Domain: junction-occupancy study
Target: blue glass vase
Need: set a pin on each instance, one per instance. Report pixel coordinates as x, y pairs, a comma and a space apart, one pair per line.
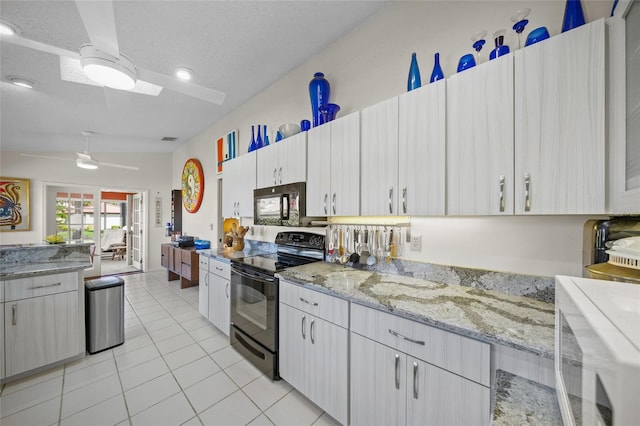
413, 82
259, 143
319, 91
573, 15
252, 145
437, 73
329, 112
265, 139
501, 48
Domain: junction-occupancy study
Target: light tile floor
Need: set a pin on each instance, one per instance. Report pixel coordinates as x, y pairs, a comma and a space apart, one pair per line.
174, 368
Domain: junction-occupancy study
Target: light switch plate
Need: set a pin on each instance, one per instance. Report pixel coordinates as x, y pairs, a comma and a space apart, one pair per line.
416, 243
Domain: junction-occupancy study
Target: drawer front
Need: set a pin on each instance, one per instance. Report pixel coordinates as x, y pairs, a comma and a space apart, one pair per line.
24, 288
186, 256
204, 262
329, 308
185, 271
458, 354
219, 268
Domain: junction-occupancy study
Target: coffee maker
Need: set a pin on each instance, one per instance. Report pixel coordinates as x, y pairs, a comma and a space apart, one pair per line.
599, 236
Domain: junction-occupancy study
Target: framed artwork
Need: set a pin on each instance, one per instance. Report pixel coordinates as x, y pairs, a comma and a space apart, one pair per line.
14, 204
227, 147
192, 185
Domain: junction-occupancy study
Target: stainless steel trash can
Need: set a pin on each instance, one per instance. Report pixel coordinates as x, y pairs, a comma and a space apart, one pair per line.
104, 313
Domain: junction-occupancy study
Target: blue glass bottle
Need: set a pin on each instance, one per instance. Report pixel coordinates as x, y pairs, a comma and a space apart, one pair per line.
265, 139
573, 15
252, 145
319, 92
501, 48
437, 73
413, 82
259, 143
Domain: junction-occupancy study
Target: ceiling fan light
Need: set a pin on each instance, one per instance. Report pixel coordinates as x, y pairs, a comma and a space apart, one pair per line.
87, 164
183, 74
116, 73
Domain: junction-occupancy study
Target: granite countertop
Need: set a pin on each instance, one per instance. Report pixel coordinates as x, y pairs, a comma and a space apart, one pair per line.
519, 401
227, 255
15, 271
516, 321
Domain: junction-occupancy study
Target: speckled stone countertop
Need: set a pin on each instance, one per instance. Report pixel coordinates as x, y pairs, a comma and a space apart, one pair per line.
519, 401
27, 260
225, 255
516, 321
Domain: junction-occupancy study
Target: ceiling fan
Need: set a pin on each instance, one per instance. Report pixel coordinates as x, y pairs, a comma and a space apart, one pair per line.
84, 160
103, 62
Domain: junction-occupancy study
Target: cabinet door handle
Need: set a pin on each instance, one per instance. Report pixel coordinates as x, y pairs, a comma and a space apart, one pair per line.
14, 313
501, 193
226, 290
415, 380
304, 336
395, 333
280, 175
206, 280
275, 172
219, 269
313, 341
404, 200
390, 202
333, 203
527, 196
325, 202
397, 371
35, 287
308, 303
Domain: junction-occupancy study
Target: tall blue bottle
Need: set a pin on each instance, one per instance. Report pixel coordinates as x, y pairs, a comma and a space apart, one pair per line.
573, 15
265, 138
413, 82
259, 143
437, 73
319, 91
252, 145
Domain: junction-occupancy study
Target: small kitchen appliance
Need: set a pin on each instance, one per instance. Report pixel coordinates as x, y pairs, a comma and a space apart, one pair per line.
254, 296
600, 239
597, 351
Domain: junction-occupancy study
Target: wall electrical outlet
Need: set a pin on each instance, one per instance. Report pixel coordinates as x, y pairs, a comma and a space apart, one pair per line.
416, 243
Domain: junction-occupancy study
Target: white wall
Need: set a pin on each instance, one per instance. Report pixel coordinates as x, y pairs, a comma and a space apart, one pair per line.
154, 176
370, 64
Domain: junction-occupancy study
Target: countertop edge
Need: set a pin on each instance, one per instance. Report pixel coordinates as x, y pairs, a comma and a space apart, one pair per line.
44, 269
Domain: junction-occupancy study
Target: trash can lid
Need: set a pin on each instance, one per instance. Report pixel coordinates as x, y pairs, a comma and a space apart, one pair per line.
104, 282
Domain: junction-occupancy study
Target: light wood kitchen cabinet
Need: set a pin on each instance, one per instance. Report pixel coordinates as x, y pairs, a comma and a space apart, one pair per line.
422, 137
219, 295
238, 183
480, 139
379, 159
333, 176
560, 124
283, 162
404, 372
40, 331
313, 351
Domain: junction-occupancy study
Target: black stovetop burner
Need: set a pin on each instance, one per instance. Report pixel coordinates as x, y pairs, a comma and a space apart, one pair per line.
294, 249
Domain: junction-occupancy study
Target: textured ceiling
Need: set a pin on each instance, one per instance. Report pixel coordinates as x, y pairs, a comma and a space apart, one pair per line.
237, 47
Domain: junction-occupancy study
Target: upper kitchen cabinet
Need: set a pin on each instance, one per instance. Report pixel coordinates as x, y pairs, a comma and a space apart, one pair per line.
379, 159
623, 109
333, 175
421, 167
560, 124
283, 162
480, 139
238, 183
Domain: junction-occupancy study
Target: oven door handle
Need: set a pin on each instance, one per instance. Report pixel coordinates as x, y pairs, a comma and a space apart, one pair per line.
259, 277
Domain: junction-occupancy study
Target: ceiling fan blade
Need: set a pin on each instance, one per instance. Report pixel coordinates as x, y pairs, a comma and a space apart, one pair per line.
120, 166
189, 89
100, 23
84, 156
36, 45
47, 157
117, 100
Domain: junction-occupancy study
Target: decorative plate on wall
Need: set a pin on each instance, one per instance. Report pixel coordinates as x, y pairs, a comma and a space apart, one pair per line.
192, 185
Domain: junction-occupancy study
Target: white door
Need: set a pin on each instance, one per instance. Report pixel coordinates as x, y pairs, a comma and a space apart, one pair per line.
137, 225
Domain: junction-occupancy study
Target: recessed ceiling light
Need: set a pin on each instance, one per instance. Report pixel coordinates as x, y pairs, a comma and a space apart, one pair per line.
184, 74
7, 28
116, 73
21, 81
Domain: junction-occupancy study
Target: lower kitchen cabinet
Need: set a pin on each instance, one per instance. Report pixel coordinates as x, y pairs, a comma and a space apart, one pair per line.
313, 353
203, 286
40, 331
214, 301
2, 341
